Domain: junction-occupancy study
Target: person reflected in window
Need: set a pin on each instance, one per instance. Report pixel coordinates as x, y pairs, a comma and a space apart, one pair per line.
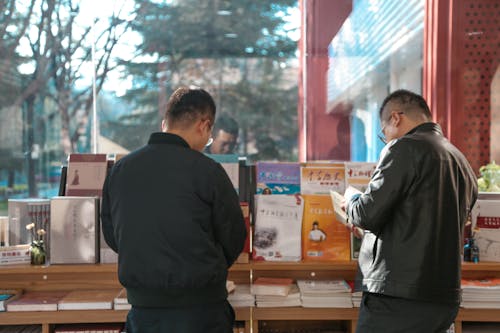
225, 136
413, 213
173, 216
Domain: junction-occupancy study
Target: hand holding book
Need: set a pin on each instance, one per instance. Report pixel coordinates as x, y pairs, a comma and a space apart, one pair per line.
339, 207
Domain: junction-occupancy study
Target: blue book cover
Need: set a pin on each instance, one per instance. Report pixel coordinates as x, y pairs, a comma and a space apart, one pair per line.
278, 177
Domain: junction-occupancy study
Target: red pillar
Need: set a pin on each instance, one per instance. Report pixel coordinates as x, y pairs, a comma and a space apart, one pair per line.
317, 129
461, 56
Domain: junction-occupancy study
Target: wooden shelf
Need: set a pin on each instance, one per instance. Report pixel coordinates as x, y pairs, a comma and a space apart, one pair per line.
99, 276
299, 313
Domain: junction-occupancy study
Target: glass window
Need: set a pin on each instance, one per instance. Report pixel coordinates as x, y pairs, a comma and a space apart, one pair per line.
377, 50
74, 78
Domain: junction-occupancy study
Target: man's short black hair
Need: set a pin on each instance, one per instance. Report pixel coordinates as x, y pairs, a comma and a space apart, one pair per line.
227, 124
187, 104
408, 101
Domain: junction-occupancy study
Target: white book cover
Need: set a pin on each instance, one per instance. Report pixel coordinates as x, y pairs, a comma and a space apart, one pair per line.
74, 230
322, 287
278, 228
486, 222
358, 174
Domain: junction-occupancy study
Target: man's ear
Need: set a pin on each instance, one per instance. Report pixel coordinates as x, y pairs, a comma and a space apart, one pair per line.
397, 118
163, 125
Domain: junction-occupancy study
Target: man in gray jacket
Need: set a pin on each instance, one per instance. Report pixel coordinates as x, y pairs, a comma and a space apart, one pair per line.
173, 216
413, 214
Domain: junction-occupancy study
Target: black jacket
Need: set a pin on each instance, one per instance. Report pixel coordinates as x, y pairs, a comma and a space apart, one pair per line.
414, 212
174, 218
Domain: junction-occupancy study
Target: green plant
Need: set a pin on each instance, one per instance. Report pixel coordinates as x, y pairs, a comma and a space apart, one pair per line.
490, 178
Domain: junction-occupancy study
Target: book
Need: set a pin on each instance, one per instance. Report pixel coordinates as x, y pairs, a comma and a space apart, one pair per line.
23, 212
86, 174
278, 227
271, 286
358, 174
324, 238
120, 301
320, 178
278, 177
62, 181
231, 165
17, 254
89, 328
486, 223
244, 256
88, 300
4, 231
338, 200
292, 298
75, 230
8, 295
36, 301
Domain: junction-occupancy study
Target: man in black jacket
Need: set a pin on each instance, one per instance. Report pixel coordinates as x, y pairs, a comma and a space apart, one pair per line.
172, 215
413, 214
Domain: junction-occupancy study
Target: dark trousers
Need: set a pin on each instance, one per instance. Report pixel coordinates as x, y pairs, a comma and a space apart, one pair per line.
206, 318
384, 314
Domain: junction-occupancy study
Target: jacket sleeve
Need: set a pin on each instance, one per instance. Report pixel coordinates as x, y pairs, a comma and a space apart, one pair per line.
391, 179
106, 223
229, 225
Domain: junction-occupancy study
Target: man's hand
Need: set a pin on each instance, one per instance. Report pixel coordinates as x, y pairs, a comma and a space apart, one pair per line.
357, 231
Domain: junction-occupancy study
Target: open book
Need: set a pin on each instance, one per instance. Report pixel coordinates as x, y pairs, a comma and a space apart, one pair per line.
338, 199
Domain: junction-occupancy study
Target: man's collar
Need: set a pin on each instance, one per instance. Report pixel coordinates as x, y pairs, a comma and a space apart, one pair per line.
167, 138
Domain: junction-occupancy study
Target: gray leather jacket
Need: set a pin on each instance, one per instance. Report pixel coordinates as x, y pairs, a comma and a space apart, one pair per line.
414, 212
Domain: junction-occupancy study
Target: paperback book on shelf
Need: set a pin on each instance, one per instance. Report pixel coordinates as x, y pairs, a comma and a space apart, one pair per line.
89, 328
321, 177
481, 293
36, 301
16, 254
231, 165
120, 302
486, 223
279, 301
8, 295
323, 237
88, 300
241, 296
278, 227
358, 174
23, 212
86, 174
278, 177
75, 230
325, 293
271, 286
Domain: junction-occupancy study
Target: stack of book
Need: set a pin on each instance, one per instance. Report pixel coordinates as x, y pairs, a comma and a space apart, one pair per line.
15, 254
273, 301
483, 294
275, 292
325, 294
88, 300
241, 296
93, 328
37, 301
121, 302
8, 295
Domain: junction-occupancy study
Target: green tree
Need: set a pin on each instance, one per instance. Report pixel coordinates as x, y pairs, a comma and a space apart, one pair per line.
213, 44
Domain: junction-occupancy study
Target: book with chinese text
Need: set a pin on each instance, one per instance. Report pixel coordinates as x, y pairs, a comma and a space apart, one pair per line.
278, 177
320, 178
278, 227
324, 238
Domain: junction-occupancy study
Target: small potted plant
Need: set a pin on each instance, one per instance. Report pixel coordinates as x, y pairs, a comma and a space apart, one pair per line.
37, 249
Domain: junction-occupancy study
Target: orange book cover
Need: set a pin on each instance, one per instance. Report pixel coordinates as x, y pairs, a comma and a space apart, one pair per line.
323, 237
